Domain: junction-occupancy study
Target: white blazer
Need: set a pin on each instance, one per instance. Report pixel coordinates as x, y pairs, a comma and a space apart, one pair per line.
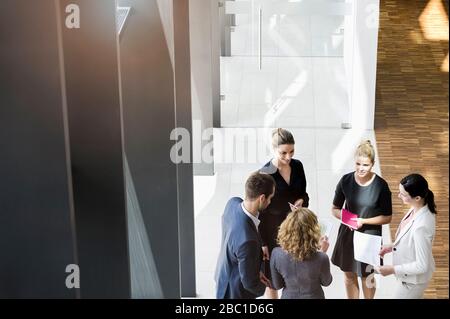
412, 250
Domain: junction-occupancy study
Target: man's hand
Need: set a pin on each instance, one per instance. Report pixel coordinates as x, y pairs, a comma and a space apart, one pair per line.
266, 255
264, 280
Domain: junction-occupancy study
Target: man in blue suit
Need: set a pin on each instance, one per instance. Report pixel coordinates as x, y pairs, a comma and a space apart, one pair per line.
238, 274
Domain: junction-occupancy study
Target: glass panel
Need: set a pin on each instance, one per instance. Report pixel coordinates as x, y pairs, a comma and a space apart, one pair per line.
289, 28
286, 70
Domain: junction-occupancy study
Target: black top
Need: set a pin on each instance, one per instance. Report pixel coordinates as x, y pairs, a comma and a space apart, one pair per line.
365, 201
272, 217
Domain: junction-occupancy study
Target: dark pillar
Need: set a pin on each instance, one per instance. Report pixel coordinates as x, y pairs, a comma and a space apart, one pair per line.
184, 170
94, 116
149, 118
37, 230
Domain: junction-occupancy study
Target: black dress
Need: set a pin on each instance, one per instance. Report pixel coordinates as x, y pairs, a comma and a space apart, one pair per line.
272, 217
366, 202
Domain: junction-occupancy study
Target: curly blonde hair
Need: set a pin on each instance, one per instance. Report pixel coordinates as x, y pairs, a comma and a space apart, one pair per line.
299, 234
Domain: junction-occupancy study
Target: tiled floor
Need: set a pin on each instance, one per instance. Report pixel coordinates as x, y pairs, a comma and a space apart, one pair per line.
326, 154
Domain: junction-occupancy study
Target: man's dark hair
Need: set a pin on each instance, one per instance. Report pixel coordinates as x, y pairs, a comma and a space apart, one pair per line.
259, 184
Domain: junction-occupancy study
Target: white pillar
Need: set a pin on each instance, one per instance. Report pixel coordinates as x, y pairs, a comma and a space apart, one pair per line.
360, 55
205, 71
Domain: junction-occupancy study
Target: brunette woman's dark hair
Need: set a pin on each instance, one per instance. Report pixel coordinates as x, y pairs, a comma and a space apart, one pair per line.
417, 185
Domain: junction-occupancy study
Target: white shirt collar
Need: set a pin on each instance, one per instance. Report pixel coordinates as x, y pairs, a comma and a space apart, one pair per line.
254, 219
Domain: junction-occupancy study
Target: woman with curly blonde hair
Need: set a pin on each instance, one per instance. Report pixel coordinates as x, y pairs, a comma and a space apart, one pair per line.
300, 265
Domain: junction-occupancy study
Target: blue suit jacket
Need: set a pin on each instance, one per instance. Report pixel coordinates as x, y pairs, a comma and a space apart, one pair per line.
239, 263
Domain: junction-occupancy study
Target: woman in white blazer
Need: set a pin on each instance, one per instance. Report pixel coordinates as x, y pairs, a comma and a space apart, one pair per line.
413, 262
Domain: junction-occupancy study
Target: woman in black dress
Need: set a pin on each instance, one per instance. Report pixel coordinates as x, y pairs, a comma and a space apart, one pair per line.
290, 188
367, 195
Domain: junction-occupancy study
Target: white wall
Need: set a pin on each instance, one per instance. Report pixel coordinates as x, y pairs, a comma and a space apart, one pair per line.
360, 55
205, 68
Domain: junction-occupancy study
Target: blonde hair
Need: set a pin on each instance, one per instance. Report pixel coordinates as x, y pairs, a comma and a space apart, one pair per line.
365, 149
299, 234
281, 136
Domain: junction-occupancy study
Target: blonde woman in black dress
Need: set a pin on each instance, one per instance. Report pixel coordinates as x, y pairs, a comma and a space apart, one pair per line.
290, 187
367, 195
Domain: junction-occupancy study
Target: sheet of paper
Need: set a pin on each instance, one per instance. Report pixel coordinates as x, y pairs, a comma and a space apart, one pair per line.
367, 248
293, 207
347, 219
326, 225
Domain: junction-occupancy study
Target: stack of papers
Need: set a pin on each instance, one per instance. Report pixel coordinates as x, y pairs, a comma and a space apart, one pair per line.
367, 248
326, 225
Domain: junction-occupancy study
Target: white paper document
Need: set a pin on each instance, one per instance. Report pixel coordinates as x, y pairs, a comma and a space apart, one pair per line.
326, 225
367, 248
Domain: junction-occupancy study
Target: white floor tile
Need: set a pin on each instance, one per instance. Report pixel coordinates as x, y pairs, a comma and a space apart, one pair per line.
336, 147
295, 121
255, 115
258, 88
269, 65
242, 145
229, 110
291, 67
237, 190
231, 71
304, 142
331, 102
241, 172
326, 186
295, 96
206, 286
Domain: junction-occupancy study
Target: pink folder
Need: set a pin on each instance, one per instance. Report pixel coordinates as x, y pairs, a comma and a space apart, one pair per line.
347, 219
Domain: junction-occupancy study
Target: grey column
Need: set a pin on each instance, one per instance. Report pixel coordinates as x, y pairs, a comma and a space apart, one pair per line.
215, 61
149, 118
184, 170
37, 233
95, 126
226, 21
205, 70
